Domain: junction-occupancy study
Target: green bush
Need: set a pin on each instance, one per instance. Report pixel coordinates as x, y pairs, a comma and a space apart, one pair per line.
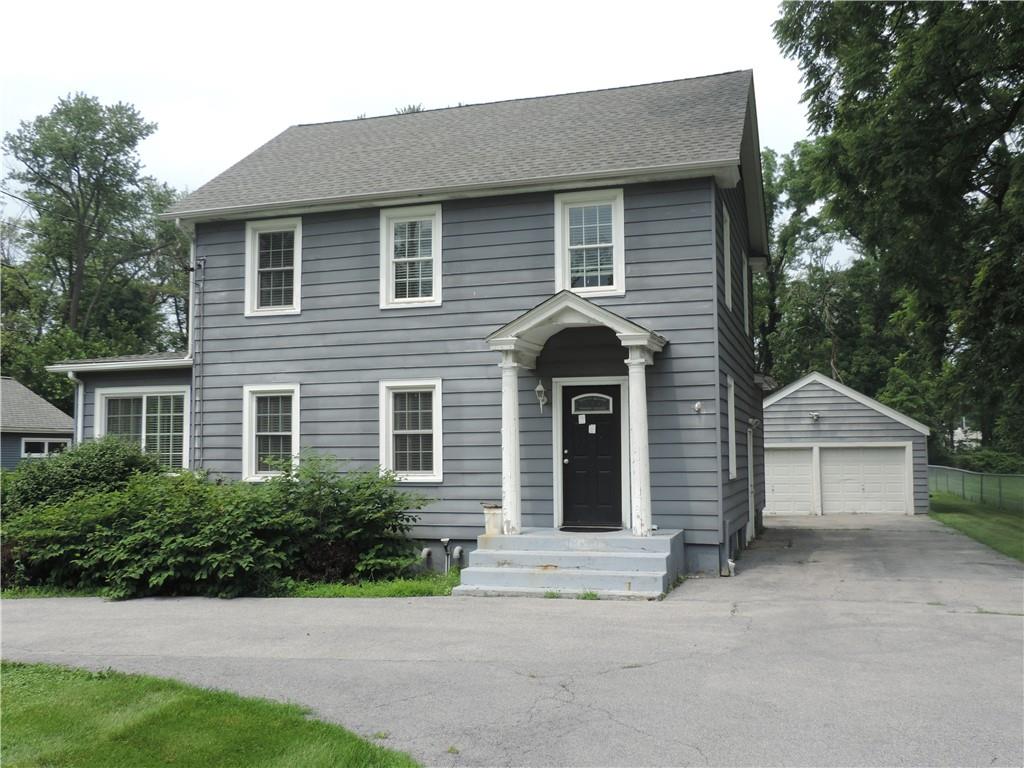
102, 465
989, 460
359, 520
181, 534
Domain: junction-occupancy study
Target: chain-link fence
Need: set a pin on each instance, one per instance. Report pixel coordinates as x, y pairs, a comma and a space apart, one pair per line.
1003, 491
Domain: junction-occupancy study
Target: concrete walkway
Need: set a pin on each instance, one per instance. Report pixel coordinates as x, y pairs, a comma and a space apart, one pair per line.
841, 641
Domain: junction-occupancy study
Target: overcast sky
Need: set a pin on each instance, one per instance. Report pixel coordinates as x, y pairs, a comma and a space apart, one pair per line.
222, 78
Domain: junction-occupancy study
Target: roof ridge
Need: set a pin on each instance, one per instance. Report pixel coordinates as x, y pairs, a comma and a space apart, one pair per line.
521, 98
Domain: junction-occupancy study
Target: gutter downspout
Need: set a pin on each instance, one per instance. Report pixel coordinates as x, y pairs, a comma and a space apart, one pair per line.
79, 406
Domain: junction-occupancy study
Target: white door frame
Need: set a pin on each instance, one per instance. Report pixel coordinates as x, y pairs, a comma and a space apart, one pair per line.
556, 438
816, 495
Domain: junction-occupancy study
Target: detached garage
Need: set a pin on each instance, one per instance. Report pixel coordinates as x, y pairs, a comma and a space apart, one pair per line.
829, 449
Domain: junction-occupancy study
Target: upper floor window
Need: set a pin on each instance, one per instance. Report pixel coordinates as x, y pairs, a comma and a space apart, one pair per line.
273, 266
154, 418
410, 248
590, 252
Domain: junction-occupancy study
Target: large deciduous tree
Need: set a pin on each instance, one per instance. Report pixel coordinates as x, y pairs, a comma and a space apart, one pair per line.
919, 109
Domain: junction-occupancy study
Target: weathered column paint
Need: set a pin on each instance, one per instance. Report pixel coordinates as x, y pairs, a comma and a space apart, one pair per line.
639, 450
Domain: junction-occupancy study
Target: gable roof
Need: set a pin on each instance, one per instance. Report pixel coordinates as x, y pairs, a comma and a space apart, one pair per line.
124, 363
860, 397
682, 127
22, 410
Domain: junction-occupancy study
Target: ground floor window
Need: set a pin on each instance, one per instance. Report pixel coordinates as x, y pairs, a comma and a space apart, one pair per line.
410, 429
38, 447
270, 425
155, 420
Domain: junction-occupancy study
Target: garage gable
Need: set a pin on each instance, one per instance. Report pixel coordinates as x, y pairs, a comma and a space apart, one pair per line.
813, 390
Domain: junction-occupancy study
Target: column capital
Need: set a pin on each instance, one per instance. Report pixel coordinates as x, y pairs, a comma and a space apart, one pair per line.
516, 351
639, 356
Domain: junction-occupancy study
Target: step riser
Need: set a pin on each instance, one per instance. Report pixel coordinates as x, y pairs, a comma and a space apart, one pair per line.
500, 578
462, 591
568, 543
596, 561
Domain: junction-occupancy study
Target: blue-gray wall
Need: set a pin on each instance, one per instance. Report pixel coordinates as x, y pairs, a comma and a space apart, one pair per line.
843, 420
10, 446
497, 263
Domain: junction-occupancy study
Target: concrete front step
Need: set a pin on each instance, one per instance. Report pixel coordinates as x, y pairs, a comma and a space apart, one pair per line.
607, 594
550, 540
571, 560
571, 579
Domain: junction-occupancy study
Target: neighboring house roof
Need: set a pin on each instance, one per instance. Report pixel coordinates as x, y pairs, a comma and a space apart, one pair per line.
22, 410
697, 126
853, 394
124, 363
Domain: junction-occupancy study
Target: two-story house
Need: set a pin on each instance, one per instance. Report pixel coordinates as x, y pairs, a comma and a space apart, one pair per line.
545, 301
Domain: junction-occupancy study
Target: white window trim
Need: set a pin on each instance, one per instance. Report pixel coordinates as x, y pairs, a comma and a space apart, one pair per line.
727, 253
388, 218
562, 204
252, 232
99, 424
249, 394
731, 401
746, 292
42, 439
386, 418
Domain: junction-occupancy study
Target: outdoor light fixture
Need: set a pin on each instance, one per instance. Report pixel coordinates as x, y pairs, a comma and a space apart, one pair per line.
815, 415
542, 395
698, 407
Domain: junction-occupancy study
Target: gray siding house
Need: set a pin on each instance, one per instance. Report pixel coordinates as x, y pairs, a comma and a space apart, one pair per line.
30, 427
831, 450
541, 304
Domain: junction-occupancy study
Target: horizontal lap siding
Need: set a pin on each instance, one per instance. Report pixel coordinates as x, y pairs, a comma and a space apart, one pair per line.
497, 262
843, 420
736, 358
10, 450
156, 378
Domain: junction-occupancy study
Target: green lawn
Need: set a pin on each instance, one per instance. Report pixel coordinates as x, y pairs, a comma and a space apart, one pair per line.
998, 528
424, 585
55, 717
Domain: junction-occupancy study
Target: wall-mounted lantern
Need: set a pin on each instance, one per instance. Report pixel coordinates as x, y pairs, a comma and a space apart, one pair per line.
542, 395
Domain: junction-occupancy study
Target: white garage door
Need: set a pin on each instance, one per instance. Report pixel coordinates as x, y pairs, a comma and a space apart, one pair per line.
788, 481
863, 480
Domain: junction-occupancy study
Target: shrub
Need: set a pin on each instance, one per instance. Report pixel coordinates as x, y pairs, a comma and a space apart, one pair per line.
359, 520
102, 465
989, 460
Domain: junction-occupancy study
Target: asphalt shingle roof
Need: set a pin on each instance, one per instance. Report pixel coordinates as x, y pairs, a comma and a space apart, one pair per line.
698, 120
22, 410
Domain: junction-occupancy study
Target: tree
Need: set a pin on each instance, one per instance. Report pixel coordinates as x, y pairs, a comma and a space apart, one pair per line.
91, 271
919, 111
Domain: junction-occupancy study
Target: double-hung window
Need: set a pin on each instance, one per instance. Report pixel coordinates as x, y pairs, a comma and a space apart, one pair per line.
410, 248
39, 447
154, 418
410, 429
270, 427
590, 254
273, 265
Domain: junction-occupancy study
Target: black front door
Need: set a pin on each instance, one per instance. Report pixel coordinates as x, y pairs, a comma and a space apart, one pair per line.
591, 457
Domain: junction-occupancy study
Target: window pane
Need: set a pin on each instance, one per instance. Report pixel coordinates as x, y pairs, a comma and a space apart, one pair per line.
412, 254
273, 431
277, 250
56, 447
35, 448
276, 288
412, 431
165, 422
272, 448
124, 418
592, 404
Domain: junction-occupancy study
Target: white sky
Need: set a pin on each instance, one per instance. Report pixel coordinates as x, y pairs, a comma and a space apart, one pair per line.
222, 78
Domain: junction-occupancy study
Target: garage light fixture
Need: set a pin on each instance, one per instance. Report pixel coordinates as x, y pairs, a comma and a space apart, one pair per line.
815, 415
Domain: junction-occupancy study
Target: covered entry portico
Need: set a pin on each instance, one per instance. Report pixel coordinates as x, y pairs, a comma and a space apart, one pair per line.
520, 343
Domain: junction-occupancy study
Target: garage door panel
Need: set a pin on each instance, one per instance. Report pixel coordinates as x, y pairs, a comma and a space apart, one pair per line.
863, 481
788, 483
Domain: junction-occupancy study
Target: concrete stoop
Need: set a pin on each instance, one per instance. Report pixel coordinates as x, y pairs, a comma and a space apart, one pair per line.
541, 562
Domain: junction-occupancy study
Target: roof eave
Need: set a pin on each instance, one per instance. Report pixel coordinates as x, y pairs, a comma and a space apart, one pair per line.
726, 172
132, 365
18, 429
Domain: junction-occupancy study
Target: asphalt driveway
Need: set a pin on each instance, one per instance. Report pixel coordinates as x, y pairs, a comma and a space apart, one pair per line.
841, 641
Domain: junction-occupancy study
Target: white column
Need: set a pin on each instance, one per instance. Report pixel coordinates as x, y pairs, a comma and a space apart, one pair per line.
511, 512
639, 451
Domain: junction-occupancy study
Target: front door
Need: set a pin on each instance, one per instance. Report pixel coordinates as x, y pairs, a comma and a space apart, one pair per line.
591, 457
